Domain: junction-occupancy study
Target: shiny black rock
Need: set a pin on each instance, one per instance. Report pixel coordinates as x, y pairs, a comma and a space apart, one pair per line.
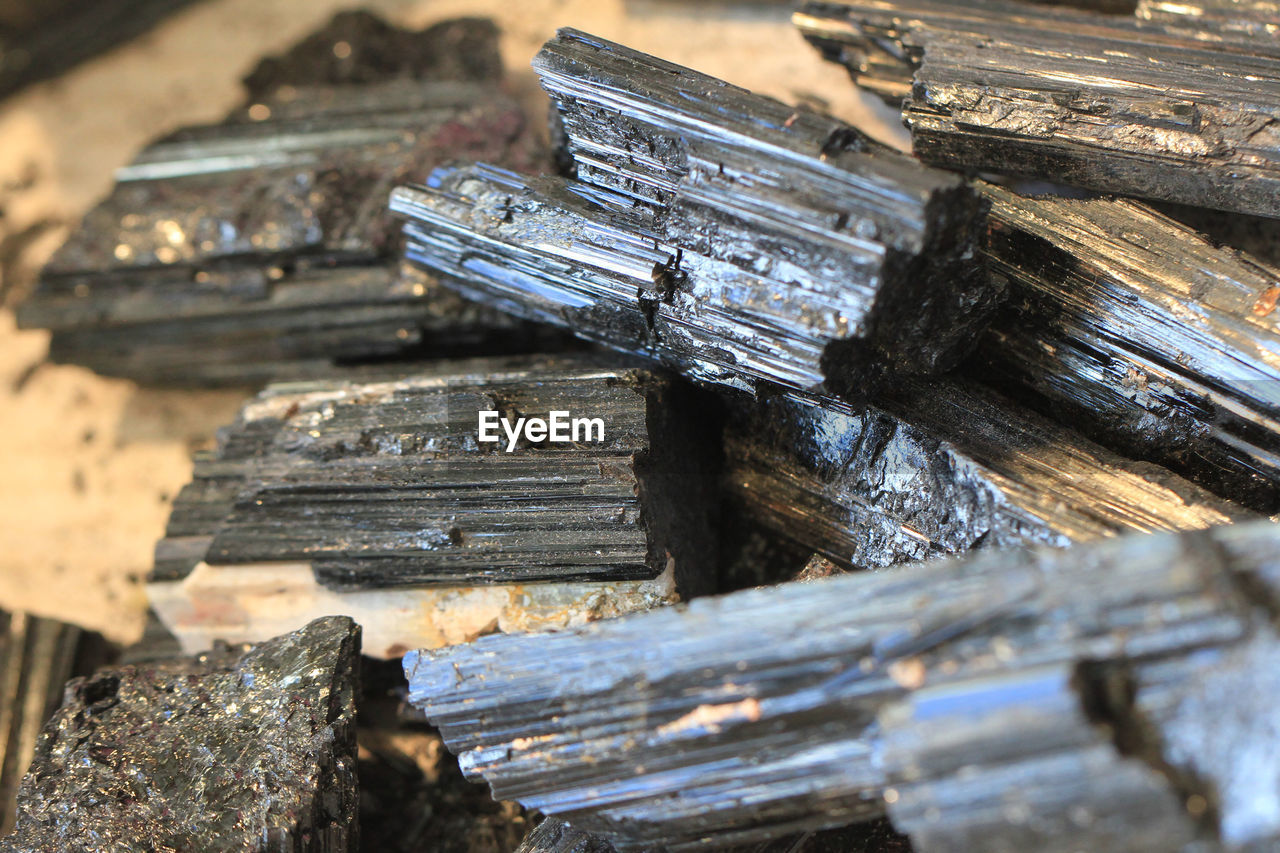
1142, 333
240, 748
933, 468
380, 478
1115, 696
1105, 102
732, 236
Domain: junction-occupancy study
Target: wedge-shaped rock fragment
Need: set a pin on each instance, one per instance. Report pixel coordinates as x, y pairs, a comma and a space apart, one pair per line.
1097, 101
731, 235
937, 468
237, 749
970, 697
428, 482
260, 247
1143, 333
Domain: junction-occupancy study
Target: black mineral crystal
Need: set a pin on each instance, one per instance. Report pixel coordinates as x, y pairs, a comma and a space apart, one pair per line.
410, 477
1134, 327
1098, 101
1117, 695
735, 237
260, 247
240, 748
934, 468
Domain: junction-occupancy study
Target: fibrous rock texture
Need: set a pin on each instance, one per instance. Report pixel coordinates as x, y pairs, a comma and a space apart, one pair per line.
1134, 327
933, 468
389, 479
1098, 101
735, 237
377, 496
1100, 697
237, 749
260, 247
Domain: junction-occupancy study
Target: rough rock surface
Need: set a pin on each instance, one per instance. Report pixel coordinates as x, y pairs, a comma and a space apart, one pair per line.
241, 748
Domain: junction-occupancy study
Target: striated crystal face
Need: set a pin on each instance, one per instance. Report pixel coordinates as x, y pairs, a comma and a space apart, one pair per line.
1022, 700
1143, 334
261, 246
735, 237
1178, 106
384, 478
941, 467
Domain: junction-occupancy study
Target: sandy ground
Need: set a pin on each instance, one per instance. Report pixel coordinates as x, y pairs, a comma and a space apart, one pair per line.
89, 466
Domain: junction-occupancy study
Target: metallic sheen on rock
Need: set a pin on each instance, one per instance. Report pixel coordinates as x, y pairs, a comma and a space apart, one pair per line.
1010, 701
1097, 101
735, 237
1143, 333
247, 749
379, 479
936, 468
1251, 22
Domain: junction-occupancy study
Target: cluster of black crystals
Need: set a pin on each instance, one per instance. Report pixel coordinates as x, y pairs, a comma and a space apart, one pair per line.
811, 356
1020, 700
729, 235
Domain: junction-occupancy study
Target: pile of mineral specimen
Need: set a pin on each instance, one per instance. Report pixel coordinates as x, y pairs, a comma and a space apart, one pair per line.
260, 247
729, 235
805, 359
1030, 699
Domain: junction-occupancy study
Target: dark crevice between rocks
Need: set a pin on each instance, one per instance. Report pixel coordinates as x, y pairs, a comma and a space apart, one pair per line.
1108, 694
